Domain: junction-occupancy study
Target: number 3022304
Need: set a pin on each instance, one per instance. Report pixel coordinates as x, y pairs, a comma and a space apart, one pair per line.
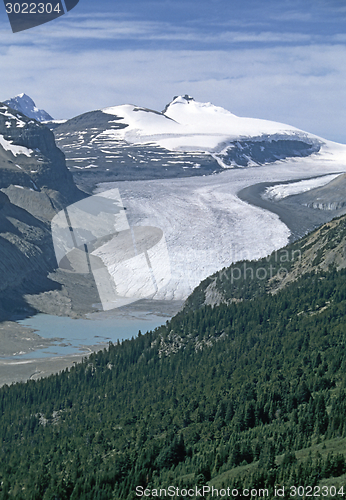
32, 8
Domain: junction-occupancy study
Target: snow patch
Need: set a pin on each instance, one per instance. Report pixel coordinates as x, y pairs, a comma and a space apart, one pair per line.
280, 191
15, 150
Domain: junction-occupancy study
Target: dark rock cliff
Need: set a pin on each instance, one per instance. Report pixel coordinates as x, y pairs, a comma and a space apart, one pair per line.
34, 185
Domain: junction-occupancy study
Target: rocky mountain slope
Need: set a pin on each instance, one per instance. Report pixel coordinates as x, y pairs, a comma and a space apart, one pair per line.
31, 162
26, 257
188, 138
93, 155
35, 184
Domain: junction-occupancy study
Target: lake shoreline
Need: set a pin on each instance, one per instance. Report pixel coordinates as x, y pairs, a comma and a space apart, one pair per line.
15, 371
18, 341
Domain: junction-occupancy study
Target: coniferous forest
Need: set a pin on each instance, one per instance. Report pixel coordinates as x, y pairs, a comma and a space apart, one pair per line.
249, 394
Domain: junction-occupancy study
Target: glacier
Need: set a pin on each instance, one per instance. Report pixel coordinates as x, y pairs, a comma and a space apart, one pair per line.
206, 225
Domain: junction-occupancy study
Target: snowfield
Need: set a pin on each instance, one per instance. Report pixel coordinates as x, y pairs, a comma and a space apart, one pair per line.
188, 138
206, 226
188, 125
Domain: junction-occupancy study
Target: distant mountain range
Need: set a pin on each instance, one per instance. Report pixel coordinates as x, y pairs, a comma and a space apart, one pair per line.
188, 138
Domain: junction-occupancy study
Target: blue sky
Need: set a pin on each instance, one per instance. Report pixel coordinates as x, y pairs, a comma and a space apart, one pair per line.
273, 59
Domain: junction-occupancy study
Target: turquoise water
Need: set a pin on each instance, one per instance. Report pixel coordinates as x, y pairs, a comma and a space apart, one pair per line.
71, 336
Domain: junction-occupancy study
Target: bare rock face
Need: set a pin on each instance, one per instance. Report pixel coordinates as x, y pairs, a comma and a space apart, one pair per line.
26, 256
34, 185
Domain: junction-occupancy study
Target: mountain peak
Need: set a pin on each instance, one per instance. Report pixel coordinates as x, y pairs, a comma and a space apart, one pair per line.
24, 104
178, 99
182, 98
185, 110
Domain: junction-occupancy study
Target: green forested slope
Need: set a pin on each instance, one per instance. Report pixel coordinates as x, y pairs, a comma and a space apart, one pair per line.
226, 395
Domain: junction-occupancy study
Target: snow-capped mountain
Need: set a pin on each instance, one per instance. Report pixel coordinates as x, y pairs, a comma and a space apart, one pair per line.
187, 125
187, 138
24, 104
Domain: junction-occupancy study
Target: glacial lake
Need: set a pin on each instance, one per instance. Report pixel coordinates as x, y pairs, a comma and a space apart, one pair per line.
73, 336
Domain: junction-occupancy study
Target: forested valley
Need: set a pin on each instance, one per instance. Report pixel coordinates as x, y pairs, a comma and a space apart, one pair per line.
251, 393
